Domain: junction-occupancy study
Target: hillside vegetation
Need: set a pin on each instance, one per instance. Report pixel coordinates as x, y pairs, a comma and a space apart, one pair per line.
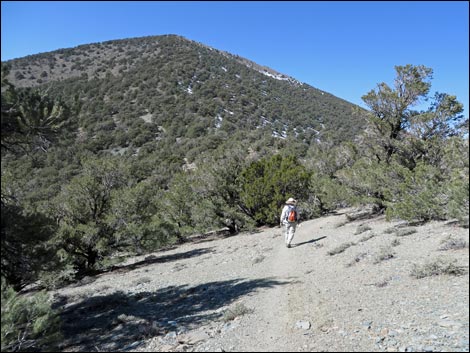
126, 146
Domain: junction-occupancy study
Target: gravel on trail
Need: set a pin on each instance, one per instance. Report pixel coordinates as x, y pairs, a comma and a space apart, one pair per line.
349, 286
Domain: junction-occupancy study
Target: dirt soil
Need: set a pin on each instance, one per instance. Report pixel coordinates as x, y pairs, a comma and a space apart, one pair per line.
251, 293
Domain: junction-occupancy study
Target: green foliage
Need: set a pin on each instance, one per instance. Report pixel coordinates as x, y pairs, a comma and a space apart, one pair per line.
458, 191
156, 148
390, 107
327, 193
219, 187
371, 182
177, 206
82, 209
420, 195
60, 273
266, 185
23, 239
409, 136
131, 217
455, 163
30, 118
28, 323
405, 164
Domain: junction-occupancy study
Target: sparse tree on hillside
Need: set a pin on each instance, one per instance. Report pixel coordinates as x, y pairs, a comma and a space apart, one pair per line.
403, 164
401, 131
176, 206
30, 119
132, 210
82, 209
391, 107
218, 183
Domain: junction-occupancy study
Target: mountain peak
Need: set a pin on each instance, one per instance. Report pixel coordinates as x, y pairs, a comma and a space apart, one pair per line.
210, 91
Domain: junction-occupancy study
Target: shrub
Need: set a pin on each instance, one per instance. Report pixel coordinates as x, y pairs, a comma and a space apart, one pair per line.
82, 207
266, 184
328, 193
340, 249
405, 232
367, 237
371, 182
421, 196
457, 207
237, 311
386, 253
357, 258
453, 244
435, 268
362, 228
25, 234
54, 279
382, 283
28, 323
390, 230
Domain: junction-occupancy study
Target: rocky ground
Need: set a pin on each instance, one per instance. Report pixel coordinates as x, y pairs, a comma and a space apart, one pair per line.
363, 285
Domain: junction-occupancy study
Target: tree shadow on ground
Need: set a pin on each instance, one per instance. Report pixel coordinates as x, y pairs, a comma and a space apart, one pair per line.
91, 276
152, 259
112, 322
308, 242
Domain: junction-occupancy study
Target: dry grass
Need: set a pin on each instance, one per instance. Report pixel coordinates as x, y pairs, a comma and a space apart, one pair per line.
357, 258
385, 253
453, 244
404, 232
238, 310
362, 228
437, 267
340, 249
367, 237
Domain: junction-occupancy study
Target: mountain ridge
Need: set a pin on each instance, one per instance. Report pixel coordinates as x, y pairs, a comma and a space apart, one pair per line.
174, 68
249, 63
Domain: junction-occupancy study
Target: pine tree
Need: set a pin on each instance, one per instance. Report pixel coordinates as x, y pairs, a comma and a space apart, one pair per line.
268, 183
401, 166
81, 210
28, 323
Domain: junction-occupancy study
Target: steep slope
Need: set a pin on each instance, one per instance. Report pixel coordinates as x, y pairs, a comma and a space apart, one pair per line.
140, 91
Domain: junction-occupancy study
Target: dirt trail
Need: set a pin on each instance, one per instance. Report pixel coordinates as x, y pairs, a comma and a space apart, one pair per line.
277, 308
285, 315
311, 297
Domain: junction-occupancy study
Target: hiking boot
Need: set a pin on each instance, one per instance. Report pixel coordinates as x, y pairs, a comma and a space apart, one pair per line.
288, 245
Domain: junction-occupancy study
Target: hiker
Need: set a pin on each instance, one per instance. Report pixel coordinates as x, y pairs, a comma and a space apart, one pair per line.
289, 218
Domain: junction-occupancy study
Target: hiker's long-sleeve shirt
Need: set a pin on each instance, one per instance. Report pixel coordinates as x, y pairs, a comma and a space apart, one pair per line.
284, 214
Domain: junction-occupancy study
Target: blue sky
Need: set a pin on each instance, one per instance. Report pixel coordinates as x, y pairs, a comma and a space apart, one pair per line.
343, 47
